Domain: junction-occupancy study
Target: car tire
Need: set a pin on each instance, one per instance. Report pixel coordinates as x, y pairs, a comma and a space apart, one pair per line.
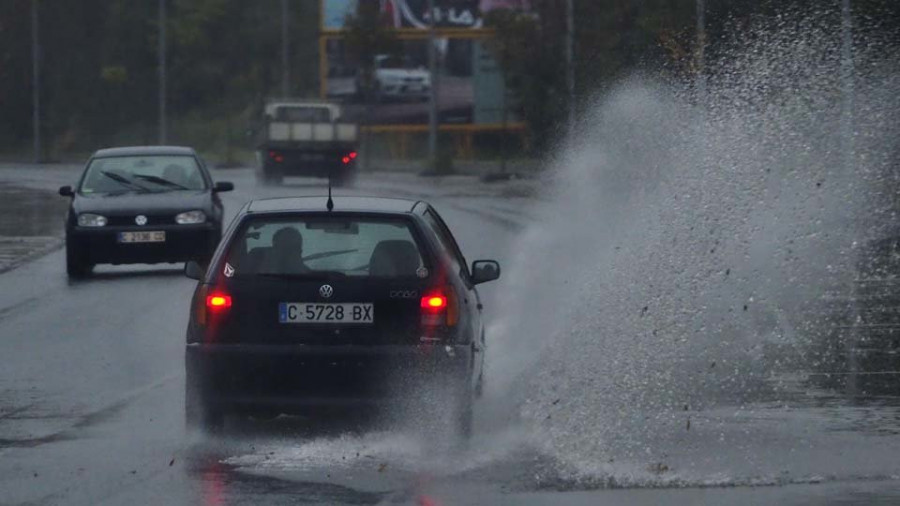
199, 414
272, 177
465, 416
76, 266
344, 178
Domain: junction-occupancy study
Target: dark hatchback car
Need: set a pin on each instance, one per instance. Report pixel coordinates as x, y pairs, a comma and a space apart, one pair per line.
142, 205
304, 310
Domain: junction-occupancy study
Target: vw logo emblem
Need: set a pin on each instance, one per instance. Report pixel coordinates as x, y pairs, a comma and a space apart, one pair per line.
326, 291
141, 220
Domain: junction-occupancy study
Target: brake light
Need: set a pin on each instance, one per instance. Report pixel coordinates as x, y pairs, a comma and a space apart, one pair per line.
275, 155
352, 155
440, 307
349, 158
218, 302
434, 302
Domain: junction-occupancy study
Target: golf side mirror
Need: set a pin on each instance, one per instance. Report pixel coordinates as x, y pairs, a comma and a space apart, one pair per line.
193, 270
484, 271
223, 186
66, 191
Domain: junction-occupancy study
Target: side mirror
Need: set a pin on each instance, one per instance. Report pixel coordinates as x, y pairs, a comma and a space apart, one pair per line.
66, 191
484, 271
223, 186
193, 270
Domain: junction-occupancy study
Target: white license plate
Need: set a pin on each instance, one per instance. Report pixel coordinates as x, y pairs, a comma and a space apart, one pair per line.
291, 312
155, 236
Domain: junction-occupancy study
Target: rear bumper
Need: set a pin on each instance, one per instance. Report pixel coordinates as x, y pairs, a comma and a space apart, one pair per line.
406, 91
183, 242
300, 162
301, 378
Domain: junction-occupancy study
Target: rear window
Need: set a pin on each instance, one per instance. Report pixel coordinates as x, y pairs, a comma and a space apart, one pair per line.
304, 114
318, 246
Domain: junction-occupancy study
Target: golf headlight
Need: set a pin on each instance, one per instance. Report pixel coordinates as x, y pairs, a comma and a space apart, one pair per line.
190, 218
91, 220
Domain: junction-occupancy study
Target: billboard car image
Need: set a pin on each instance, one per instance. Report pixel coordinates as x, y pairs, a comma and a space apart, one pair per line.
467, 80
401, 83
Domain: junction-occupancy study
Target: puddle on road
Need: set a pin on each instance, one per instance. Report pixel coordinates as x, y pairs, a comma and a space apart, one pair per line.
26, 212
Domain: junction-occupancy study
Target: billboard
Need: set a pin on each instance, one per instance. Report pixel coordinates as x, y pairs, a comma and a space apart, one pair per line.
470, 88
402, 86
413, 14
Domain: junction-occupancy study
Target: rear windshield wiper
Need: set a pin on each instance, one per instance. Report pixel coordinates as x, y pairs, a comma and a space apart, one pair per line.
124, 181
159, 180
327, 254
317, 276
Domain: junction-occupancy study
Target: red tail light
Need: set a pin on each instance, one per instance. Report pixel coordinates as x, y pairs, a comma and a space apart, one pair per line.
349, 158
352, 155
434, 303
346, 159
218, 302
439, 307
210, 304
275, 155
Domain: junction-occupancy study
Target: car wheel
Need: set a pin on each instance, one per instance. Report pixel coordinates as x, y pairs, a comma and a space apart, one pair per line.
199, 415
465, 416
272, 177
344, 179
76, 266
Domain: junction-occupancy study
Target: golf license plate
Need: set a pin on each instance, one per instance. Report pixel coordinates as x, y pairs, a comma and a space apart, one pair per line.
132, 237
351, 312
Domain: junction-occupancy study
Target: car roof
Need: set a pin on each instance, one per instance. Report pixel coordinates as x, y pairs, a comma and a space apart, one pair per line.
144, 150
341, 204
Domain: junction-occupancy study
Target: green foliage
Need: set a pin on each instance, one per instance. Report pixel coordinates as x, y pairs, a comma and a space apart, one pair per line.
99, 66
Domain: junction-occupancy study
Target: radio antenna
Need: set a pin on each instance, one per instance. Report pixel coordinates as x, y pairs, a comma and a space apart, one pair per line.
330, 203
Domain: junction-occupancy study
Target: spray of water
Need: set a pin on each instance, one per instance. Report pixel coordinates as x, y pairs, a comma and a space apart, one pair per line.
680, 262
677, 267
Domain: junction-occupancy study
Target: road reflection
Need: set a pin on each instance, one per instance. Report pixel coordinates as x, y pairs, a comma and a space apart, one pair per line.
34, 212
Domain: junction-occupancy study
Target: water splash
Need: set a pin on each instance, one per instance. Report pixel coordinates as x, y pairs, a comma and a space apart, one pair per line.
681, 261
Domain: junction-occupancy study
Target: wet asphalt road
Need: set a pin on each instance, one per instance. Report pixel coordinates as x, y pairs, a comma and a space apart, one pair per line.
91, 397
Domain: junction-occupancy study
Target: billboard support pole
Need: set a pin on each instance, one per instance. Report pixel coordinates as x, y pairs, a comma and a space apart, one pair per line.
433, 98
162, 72
701, 51
570, 64
35, 82
285, 59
